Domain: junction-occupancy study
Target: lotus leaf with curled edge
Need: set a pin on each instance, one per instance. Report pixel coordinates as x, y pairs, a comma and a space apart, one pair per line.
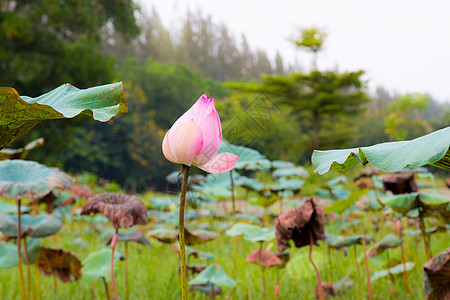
437, 276
297, 223
122, 210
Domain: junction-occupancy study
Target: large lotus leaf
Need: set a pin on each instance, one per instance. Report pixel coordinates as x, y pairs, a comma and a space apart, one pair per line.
164, 235
23, 178
215, 275
21, 153
130, 236
340, 206
18, 115
198, 236
280, 164
340, 242
222, 179
165, 203
252, 233
388, 241
288, 184
59, 263
249, 183
337, 180
34, 226
194, 252
98, 264
8, 208
265, 199
404, 203
394, 270
432, 149
294, 172
8, 253
249, 159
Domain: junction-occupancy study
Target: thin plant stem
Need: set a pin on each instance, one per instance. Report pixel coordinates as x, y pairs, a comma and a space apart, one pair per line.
235, 238
38, 291
391, 276
329, 262
358, 272
113, 247
126, 272
424, 235
104, 284
263, 276
184, 285
319, 281
23, 294
30, 290
369, 287
405, 274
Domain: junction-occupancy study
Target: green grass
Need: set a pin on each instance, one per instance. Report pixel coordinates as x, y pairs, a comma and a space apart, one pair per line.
153, 269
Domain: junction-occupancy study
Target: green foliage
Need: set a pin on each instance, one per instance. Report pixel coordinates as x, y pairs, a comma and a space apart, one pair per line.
429, 149
312, 39
340, 206
34, 226
98, 264
394, 270
252, 233
214, 275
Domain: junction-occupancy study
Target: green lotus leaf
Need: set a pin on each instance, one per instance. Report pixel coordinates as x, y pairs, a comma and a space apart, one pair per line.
215, 275
196, 253
343, 285
8, 208
394, 270
294, 172
21, 153
247, 217
403, 203
337, 180
265, 198
249, 183
34, 226
294, 185
388, 241
340, 206
340, 242
280, 164
8, 253
18, 115
221, 192
164, 235
165, 203
24, 178
432, 149
249, 159
98, 263
252, 233
130, 236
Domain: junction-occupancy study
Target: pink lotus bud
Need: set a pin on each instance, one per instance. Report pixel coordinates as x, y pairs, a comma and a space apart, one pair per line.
398, 224
277, 291
195, 137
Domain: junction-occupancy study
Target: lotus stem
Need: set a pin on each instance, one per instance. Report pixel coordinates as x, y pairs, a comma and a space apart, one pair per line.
319, 281
232, 196
369, 287
126, 272
213, 295
38, 291
405, 273
184, 285
113, 247
30, 290
23, 294
263, 276
391, 276
104, 284
233, 202
329, 262
358, 272
424, 235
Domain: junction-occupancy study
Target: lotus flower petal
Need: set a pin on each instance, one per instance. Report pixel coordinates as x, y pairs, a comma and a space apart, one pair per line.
212, 137
186, 142
166, 148
221, 163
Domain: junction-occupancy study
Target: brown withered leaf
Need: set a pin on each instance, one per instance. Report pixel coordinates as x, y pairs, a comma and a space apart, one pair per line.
198, 236
437, 276
59, 263
285, 256
122, 210
400, 183
82, 191
328, 290
193, 269
268, 259
297, 223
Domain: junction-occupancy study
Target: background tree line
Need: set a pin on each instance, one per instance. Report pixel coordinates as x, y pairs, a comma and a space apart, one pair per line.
45, 44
